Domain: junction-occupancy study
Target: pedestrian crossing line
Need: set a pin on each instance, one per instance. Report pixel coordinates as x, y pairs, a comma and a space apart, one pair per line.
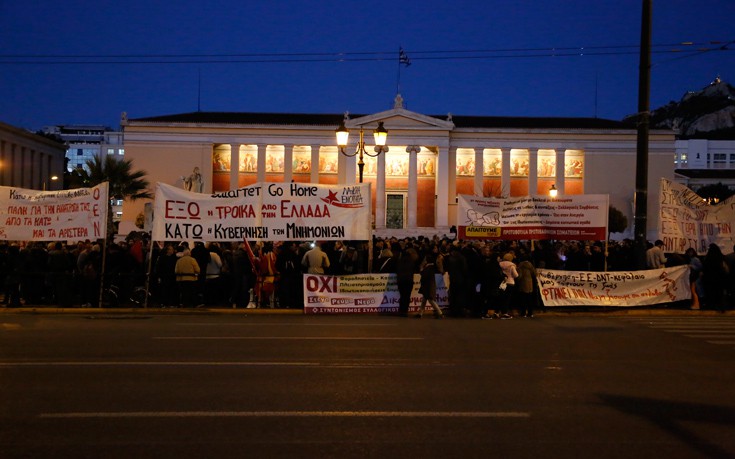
713, 330
710, 336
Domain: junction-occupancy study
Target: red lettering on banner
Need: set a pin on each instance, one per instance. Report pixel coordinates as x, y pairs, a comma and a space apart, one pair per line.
321, 284
178, 210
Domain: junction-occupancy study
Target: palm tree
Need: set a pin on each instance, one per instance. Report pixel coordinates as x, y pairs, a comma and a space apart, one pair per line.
124, 183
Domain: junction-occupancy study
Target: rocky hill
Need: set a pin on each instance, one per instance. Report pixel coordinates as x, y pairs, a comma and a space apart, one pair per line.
705, 114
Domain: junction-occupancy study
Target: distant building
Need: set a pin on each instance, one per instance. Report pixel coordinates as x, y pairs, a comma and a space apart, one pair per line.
30, 161
87, 141
431, 159
701, 162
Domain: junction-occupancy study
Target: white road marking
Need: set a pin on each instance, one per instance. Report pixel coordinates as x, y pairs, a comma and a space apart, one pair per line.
306, 338
289, 414
280, 324
331, 365
157, 364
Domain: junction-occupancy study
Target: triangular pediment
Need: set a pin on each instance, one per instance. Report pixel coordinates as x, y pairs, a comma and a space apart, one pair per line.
400, 118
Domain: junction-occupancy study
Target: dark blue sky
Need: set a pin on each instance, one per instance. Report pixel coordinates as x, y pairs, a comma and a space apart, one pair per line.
453, 46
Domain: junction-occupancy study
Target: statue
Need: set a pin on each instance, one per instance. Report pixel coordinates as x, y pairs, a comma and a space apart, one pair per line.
194, 182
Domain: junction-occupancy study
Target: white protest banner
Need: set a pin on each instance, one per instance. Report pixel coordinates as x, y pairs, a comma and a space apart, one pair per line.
615, 288
686, 220
575, 217
362, 294
270, 211
32, 215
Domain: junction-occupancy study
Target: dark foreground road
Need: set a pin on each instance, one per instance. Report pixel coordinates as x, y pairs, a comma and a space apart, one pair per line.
116, 386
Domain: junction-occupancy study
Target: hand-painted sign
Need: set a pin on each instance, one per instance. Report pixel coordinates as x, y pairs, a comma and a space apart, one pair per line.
615, 288
271, 211
687, 220
68, 215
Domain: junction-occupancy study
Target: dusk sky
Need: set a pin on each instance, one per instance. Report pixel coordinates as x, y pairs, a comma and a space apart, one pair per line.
83, 62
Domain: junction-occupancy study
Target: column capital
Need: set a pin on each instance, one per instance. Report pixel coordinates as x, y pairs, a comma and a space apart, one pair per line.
413, 148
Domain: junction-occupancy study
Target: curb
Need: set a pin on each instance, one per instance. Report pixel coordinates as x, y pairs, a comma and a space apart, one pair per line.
244, 312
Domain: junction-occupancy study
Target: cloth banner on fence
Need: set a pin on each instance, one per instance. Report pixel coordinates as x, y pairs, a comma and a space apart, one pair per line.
362, 294
615, 288
272, 211
575, 217
686, 220
67, 215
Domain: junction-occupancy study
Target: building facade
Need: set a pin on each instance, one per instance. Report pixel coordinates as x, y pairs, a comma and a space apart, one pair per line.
30, 161
85, 142
701, 162
430, 159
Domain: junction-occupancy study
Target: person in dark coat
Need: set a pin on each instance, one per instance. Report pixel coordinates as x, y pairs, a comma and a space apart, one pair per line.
428, 287
290, 288
455, 264
714, 278
14, 267
492, 276
166, 276
405, 269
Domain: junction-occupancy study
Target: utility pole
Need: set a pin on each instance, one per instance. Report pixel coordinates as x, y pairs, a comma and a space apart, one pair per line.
644, 118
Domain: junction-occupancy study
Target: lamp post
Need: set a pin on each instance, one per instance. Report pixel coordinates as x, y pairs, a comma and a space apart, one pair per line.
553, 191
53, 179
380, 135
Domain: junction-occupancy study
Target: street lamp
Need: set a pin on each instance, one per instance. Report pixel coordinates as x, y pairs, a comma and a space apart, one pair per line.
553, 191
380, 135
53, 179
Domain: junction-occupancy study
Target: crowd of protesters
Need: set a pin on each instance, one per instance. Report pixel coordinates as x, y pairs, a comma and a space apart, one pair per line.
487, 279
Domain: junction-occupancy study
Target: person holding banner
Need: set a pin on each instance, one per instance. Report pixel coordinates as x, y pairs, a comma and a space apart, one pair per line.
655, 257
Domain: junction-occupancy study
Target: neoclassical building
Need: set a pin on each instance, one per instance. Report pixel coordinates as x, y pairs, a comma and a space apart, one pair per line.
430, 159
30, 161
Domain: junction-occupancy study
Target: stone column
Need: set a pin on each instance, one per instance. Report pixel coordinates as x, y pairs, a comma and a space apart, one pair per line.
380, 193
413, 185
442, 191
234, 166
505, 172
560, 155
533, 171
314, 164
261, 162
479, 171
287, 163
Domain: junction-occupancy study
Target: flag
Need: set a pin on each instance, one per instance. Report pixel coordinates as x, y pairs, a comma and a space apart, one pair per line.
403, 58
251, 256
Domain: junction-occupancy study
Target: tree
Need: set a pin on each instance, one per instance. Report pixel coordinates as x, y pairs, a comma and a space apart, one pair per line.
617, 222
124, 183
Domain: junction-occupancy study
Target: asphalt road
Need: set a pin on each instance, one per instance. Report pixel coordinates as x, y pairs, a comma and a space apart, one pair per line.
136, 386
